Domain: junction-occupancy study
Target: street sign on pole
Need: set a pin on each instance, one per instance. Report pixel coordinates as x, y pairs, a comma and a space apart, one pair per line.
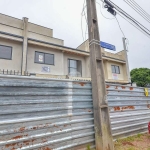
107, 46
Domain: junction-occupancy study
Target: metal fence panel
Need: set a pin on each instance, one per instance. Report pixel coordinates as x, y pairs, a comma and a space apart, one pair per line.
45, 114
129, 110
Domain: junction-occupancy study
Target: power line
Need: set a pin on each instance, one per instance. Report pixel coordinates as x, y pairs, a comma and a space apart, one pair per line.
133, 25
81, 20
83, 11
140, 8
147, 31
112, 19
137, 10
136, 23
120, 27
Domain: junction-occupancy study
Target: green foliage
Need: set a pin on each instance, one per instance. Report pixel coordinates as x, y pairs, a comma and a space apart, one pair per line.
140, 76
88, 147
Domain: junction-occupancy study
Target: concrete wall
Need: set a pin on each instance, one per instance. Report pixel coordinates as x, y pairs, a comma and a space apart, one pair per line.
120, 55
37, 34
60, 66
32, 67
87, 67
15, 63
11, 25
121, 76
84, 46
15, 26
44, 38
11, 21
40, 29
75, 57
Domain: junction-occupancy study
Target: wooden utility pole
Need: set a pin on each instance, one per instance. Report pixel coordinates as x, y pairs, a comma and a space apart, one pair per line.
103, 135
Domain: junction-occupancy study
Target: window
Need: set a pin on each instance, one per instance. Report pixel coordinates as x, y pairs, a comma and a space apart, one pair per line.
74, 68
5, 52
115, 69
44, 58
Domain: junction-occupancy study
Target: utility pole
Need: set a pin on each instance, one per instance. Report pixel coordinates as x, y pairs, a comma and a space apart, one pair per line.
127, 62
103, 135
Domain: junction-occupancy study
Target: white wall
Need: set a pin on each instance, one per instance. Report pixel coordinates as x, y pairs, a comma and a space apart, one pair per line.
75, 57
15, 63
121, 76
32, 67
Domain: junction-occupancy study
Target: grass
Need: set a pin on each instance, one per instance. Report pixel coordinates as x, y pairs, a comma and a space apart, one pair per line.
132, 143
137, 142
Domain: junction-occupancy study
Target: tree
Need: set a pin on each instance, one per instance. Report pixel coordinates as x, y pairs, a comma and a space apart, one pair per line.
140, 76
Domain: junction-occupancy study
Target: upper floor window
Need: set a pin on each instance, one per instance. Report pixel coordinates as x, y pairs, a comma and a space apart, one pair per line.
5, 52
74, 68
44, 58
115, 69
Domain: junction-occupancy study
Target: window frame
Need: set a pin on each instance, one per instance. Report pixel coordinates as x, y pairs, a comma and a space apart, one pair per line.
72, 67
115, 69
44, 58
11, 53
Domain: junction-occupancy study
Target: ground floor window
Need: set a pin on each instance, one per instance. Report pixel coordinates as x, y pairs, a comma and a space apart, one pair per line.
115, 69
74, 68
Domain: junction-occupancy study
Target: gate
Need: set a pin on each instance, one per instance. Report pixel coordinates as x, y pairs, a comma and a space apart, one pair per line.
45, 114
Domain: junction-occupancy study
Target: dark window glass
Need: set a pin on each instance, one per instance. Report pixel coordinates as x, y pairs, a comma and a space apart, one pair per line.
73, 63
44, 58
49, 59
75, 68
5, 52
115, 69
39, 57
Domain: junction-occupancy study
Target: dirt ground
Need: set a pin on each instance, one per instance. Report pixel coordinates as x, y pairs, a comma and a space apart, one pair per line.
138, 142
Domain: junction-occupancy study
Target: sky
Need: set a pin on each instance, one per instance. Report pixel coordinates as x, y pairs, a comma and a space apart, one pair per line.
64, 17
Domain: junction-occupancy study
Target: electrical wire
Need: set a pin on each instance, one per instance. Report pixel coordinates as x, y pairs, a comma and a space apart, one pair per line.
139, 28
137, 10
81, 20
112, 19
147, 31
102, 13
137, 23
133, 25
120, 27
140, 8
83, 11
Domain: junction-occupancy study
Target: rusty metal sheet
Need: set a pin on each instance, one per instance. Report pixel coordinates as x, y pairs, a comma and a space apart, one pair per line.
45, 114
129, 110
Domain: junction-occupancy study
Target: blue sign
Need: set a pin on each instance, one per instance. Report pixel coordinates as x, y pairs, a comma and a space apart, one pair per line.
107, 46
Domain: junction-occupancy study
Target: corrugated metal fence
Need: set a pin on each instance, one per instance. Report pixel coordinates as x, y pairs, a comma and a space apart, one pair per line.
45, 114
129, 110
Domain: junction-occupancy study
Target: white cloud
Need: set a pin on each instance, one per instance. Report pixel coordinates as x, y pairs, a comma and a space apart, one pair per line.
64, 17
